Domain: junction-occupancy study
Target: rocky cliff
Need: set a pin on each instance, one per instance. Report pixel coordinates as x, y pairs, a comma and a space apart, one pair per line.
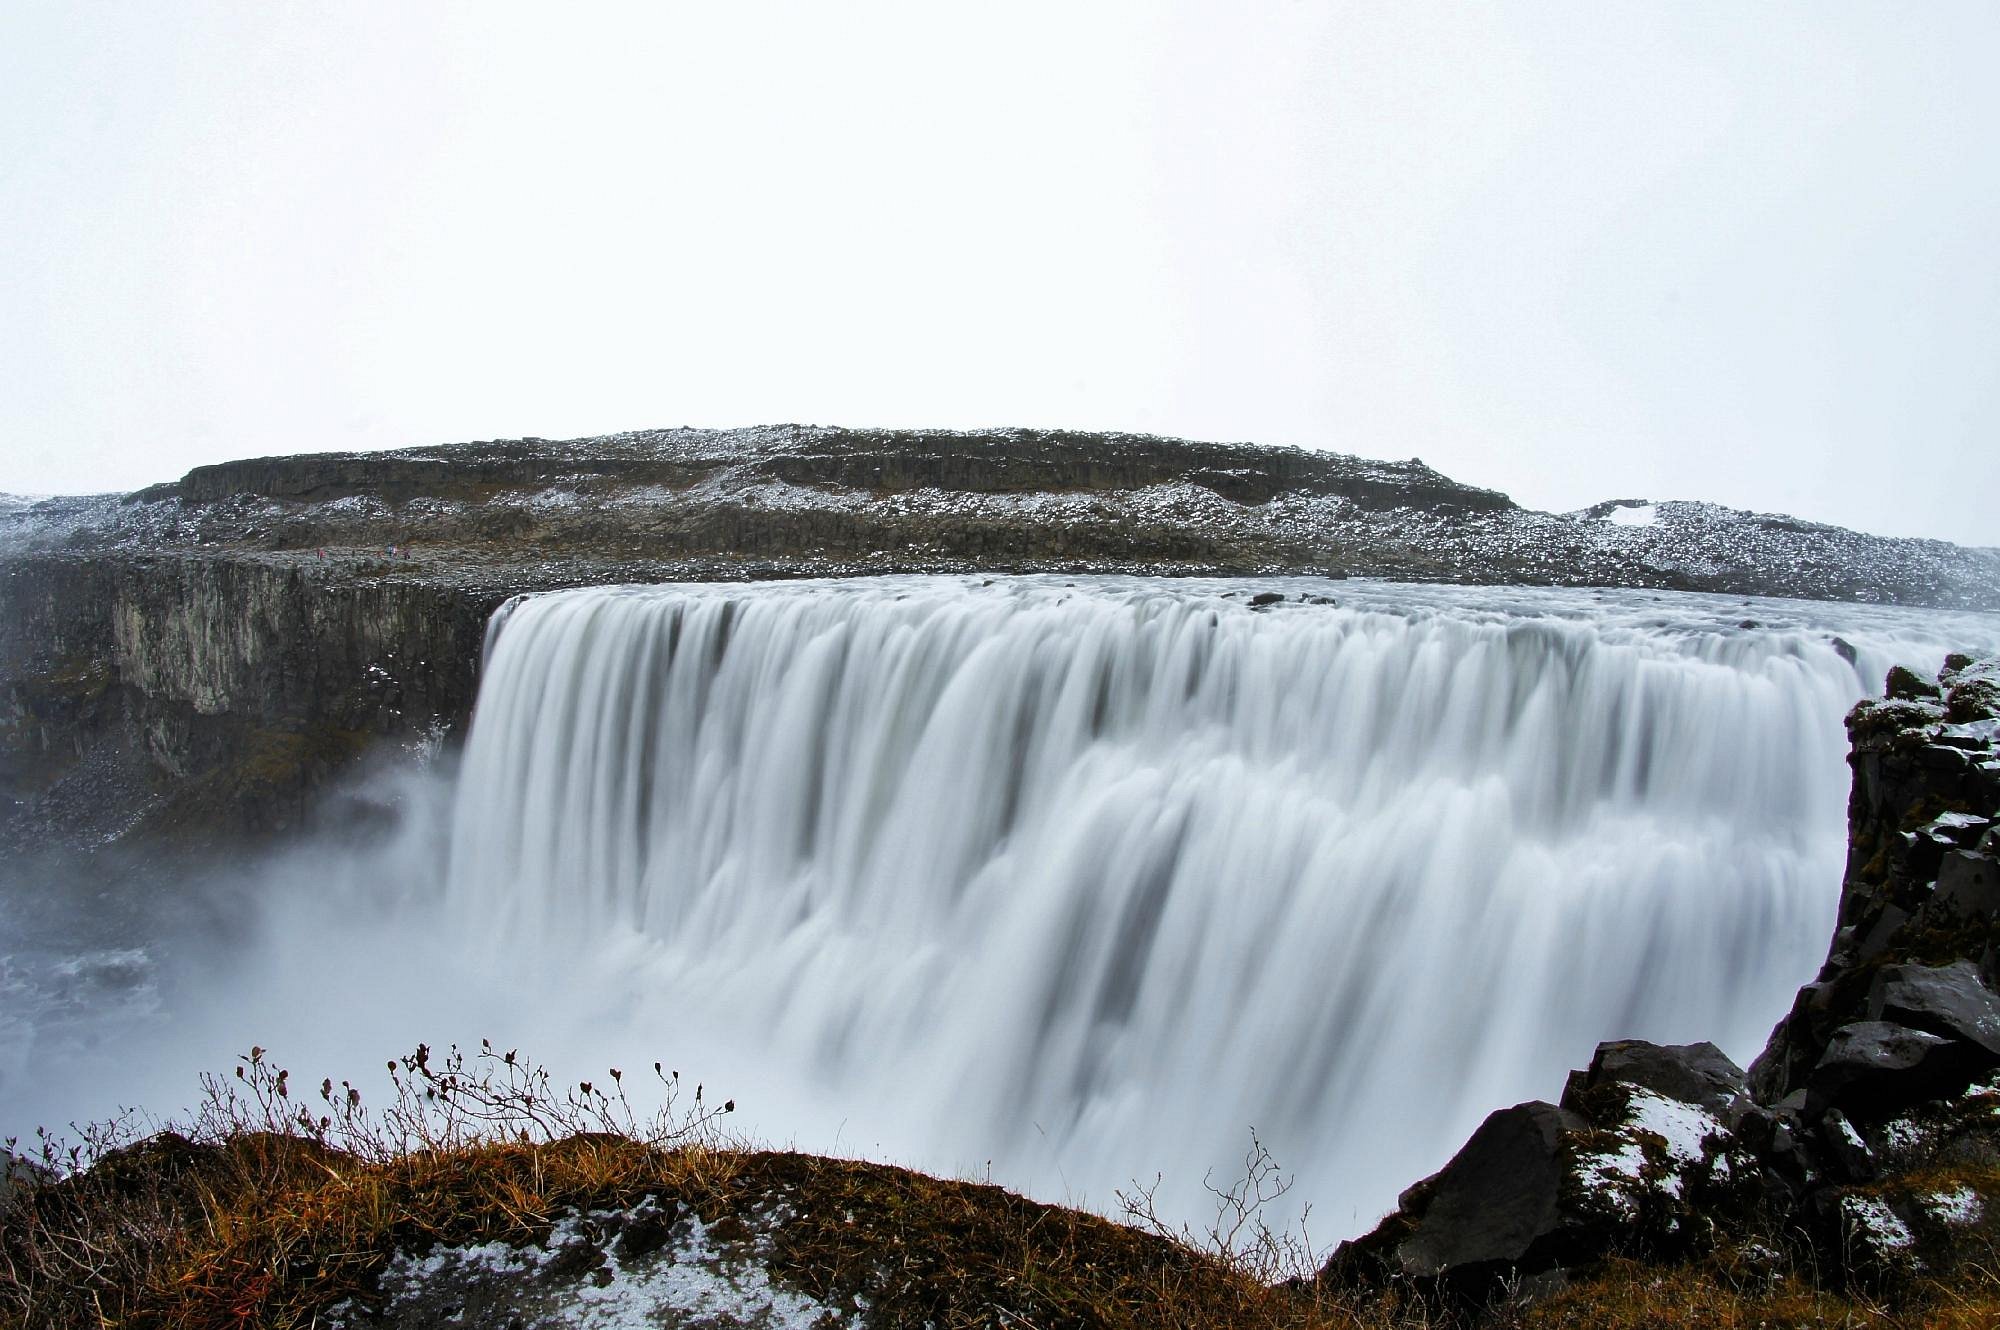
160, 692
198, 656
1861, 1150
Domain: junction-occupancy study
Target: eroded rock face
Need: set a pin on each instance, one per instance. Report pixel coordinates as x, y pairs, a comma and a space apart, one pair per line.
211, 696
1865, 1142
1916, 938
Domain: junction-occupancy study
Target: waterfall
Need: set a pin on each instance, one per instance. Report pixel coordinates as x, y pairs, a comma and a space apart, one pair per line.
1088, 877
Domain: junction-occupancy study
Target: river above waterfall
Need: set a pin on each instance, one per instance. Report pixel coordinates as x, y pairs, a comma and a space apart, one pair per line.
1064, 881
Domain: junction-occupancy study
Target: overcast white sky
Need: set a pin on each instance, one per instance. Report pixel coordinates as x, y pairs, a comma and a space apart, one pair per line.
1749, 253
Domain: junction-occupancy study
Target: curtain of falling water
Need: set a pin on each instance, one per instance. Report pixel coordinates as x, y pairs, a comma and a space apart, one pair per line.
1087, 879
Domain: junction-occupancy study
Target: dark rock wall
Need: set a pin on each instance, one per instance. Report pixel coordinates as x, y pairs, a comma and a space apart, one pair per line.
1864, 1144
207, 695
1920, 884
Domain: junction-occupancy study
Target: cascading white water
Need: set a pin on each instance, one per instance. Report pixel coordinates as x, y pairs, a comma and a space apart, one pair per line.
1087, 878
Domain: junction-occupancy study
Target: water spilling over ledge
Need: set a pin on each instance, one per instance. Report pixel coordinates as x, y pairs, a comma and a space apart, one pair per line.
1075, 880
1084, 877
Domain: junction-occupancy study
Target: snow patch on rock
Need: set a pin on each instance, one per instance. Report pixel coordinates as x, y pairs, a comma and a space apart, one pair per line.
1874, 1223
1947, 822
1639, 514
1957, 1208
1902, 1134
1618, 1176
1682, 1126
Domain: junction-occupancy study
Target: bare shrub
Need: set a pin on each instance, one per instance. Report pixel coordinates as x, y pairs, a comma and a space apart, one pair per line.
1239, 1235
268, 1199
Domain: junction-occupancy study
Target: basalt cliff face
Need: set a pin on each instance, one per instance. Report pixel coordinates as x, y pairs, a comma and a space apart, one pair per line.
162, 693
1862, 1148
198, 656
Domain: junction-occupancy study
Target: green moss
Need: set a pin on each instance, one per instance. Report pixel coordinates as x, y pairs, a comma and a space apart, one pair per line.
285, 758
265, 788
1940, 943
72, 685
1877, 867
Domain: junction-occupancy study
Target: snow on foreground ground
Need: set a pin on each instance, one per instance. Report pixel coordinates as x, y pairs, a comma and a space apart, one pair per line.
609, 1270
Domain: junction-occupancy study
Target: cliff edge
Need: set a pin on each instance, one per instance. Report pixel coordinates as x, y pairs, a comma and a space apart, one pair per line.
196, 659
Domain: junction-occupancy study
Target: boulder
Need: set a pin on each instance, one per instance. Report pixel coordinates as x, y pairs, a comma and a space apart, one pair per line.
1968, 887
1871, 1068
1498, 1197
1975, 693
1846, 1147
1945, 1000
1875, 1241
1698, 1074
1907, 685
1540, 1189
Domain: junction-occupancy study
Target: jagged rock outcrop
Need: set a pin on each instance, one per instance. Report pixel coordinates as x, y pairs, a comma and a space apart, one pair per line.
1864, 1143
1916, 928
1641, 1155
199, 655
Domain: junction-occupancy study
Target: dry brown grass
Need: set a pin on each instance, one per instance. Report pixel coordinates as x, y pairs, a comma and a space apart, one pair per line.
1627, 1296
269, 1230
265, 1213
